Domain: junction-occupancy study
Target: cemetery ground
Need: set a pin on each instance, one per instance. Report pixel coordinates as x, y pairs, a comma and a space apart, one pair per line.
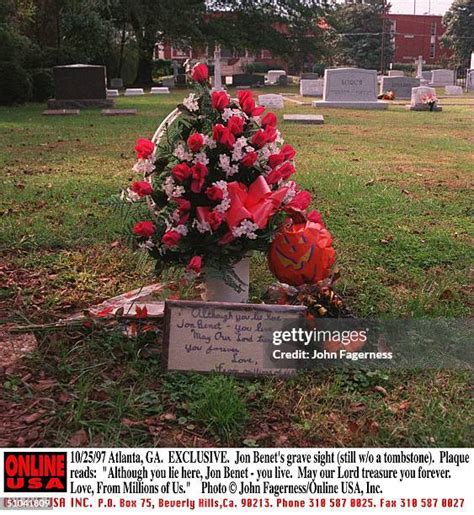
394, 189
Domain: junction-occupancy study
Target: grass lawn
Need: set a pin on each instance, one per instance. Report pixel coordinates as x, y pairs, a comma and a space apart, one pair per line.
395, 188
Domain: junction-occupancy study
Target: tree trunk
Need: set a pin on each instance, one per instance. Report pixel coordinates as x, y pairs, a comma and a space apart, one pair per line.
146, 47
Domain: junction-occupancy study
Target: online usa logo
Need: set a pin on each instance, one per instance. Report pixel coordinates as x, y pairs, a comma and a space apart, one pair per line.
35, 471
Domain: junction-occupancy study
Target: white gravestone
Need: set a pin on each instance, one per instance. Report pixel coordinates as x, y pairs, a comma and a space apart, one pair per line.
311, 87
352, 88
116, 83
401, 86
417, 96
453, 90
160, 90
396, 73
134, 92
274, 101
274, 75
311, 119
112, 93
442, 78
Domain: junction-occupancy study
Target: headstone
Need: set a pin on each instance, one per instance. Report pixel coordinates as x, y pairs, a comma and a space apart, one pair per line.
417, 95
419, 67
353, 88
312, 119
217, 83
274, 75
247, 79
274, 101
118, 112
159, 90
396, 73
168, 82
311, 87
309, 76
426, 75
442, 78
470, 80
116, 83
472, 61
61, 112
113, 93
79, 86
134, 92
225, 337
453, 90
175, 66
229, 80
401, 86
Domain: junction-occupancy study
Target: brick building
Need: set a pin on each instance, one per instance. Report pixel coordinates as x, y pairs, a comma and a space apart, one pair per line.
415, 35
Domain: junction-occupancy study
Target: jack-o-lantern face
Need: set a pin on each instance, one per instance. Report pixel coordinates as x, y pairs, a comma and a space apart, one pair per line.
301, 253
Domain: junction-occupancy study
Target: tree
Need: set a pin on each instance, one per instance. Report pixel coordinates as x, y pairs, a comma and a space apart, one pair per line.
459, 33
363, 38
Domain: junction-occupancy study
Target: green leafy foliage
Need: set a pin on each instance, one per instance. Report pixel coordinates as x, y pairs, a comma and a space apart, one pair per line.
459, 33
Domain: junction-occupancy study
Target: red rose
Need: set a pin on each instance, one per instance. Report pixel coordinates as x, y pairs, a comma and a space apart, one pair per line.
214, 193
183, 204
223, 135
246, 101
227, 238
200, 73
199, 172
195, 265
300, 201
141, 188
144, 148
249, 159
258, 110
195, 142
269, 120
220, 100
270, 134
315, 216
285, 171
184, 218
171, 238
145, 229
181, 171
214, 219
259, 139
236, 125
275, 159
288, 151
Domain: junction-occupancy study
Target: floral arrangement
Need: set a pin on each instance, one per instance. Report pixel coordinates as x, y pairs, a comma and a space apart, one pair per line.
217, 185
430, 100
387, 95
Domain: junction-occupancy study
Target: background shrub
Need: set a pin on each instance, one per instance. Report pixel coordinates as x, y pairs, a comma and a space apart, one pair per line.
42, 84
15, 84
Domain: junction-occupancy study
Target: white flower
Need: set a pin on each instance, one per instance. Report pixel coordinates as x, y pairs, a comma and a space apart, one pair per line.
290, 194
146, 245
129, 196
144, 166
228, 113
190, 102
226, 167
181, 153
169, 186
237, 153
201, 157
247, 229
209, 142
202, 227
181, 229
257, 120
224, 204
279, 139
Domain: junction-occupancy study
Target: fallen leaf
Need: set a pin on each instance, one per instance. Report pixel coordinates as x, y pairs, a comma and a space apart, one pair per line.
381, 390
78, 439
32, 418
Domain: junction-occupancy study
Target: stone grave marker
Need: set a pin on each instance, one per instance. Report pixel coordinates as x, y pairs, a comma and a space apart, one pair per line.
159, 90
113, 93
401, 86
61, 112
453, 90
310, 119
441, 77
118, 112
396, 73
225, 337
79, 86
134, 92
271, 100
274, 75
353, 88
309, 76
116, 83
417, 95
311, 87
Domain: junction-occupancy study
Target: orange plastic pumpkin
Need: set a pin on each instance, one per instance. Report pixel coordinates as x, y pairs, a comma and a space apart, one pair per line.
301, 253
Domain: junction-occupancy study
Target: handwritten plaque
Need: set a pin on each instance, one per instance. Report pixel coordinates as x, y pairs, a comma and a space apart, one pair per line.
225, 337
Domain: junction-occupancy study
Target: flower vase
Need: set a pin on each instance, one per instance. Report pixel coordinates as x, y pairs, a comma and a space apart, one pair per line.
217, 290
432, 107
